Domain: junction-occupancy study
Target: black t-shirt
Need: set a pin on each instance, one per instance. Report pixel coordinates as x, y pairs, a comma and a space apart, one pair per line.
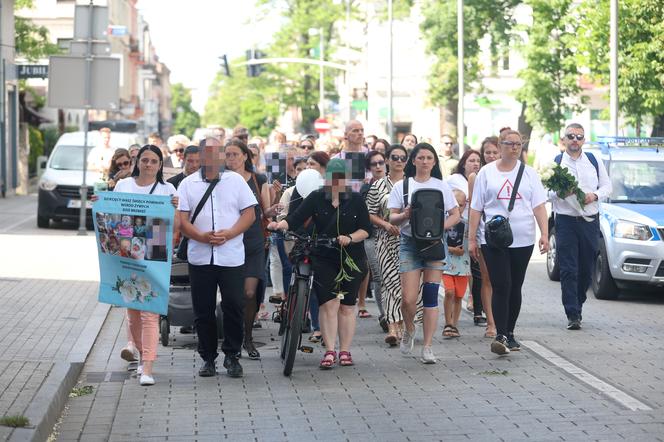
455, 234
253, 237
353, 215
177, 179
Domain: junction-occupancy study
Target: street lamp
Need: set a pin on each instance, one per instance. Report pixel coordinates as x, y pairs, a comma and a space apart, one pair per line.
460, 80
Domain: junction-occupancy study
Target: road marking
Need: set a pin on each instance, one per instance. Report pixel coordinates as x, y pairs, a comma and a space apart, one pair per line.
617, 395
18, 223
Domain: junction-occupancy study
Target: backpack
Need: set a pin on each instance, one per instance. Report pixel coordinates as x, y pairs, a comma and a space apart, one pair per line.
591, 158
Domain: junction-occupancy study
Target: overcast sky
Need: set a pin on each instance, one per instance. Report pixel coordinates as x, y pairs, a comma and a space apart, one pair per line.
189, 35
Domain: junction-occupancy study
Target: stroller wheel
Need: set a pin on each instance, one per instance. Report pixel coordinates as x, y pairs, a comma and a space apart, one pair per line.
165, 330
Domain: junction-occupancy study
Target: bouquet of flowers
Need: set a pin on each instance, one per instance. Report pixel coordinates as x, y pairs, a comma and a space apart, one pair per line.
557, 178
135, 289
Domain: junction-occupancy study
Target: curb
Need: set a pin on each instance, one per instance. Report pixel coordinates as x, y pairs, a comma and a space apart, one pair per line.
49, 401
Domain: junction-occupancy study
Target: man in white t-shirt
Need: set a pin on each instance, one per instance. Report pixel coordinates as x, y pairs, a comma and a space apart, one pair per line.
577, 230
354, 144
99, 158
216, 254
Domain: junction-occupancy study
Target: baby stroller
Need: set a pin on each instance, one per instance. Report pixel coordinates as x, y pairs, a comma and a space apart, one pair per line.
180, 307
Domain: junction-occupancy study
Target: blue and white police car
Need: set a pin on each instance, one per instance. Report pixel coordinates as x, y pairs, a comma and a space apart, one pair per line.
631, 250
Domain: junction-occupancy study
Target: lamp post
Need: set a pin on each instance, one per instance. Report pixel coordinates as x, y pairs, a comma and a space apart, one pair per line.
390, 117
613, 69
321, 75
460, 80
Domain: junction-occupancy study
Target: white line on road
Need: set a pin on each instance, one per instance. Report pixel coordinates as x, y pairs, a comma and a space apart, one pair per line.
18, 223
587, 378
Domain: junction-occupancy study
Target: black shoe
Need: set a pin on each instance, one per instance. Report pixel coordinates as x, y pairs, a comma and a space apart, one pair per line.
187, 330
479, 320
233, 367
383, 324
207, 370
499, 345
574, 324
512, 343
257, 325
250, 348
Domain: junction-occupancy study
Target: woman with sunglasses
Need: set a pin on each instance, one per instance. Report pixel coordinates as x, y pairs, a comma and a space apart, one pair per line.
146, 178
308, 146
238, 159
387, 242
375, 164
120, 167
340, 213
481, 287
422, 172
507, 267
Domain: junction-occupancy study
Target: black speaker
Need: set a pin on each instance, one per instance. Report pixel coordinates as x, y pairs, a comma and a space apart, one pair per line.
427, 214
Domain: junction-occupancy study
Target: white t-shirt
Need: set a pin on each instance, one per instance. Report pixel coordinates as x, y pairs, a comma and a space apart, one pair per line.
492, 192
396, 197
221, 211
128, 185
100, 157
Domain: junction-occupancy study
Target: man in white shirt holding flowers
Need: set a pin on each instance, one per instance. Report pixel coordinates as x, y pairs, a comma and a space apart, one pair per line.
576, 223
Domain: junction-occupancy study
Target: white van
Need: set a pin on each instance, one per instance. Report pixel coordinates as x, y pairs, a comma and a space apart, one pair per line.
60, 184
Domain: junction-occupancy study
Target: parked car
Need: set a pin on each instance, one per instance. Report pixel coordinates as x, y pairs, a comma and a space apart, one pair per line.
60, 184
631, 249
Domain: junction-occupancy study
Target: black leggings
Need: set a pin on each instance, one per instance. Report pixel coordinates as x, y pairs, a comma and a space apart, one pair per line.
476, 289
507, 270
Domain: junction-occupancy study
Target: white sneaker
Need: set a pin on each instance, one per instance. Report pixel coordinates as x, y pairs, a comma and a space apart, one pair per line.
146, 379
407, 343
139, 369
130, 353
427, 355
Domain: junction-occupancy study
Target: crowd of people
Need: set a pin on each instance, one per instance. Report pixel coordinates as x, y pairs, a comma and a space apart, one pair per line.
233, 206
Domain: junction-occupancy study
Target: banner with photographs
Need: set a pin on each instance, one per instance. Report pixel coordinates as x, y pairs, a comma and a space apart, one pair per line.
134, 241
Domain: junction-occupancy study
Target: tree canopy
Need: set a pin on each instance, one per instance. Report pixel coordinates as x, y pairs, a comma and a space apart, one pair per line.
185, 118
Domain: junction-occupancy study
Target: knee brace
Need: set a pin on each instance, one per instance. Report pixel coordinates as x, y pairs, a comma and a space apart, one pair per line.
430, 294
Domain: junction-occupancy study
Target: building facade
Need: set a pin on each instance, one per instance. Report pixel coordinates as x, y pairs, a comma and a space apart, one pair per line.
9, 113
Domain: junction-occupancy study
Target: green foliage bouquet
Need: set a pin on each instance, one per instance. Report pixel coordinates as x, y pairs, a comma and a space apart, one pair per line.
557, 178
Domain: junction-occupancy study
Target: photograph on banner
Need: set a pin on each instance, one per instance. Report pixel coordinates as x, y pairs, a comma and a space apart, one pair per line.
134, 241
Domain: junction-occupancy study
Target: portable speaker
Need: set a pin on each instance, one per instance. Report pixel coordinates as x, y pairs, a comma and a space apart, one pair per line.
427, 214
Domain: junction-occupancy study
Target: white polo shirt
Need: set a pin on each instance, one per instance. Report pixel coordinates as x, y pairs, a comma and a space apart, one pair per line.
221, 211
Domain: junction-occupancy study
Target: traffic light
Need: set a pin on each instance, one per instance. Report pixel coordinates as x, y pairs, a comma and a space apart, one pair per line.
254, 70
224, 65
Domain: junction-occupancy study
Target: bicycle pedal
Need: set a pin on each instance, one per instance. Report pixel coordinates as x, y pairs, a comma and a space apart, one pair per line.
306, 349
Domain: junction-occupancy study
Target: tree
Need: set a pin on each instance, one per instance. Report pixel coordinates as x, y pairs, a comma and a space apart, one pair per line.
250, 101
186, 119
551, 74
32, 41
481, 17
641, 56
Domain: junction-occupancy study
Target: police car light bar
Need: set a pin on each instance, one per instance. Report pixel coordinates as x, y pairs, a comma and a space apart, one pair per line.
633, 141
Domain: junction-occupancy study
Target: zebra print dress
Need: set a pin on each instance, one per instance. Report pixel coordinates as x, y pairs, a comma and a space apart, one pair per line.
387, 250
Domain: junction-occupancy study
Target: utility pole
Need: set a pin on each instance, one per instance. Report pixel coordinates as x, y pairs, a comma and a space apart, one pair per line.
390, 117
82, 228
460, 117
348, 98
613, 68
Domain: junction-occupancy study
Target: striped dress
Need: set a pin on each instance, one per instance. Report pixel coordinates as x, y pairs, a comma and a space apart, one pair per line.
387, 250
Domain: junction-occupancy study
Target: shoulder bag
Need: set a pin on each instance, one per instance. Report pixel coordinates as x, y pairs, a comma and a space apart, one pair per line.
428, 250
184, 242
497, 231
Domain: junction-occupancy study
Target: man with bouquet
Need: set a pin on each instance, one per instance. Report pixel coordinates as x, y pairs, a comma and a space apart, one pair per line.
576, 208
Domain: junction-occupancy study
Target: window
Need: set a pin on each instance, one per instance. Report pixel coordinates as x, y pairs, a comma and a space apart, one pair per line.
63, 43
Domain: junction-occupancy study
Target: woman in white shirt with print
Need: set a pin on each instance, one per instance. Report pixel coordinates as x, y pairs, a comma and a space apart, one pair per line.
507, 266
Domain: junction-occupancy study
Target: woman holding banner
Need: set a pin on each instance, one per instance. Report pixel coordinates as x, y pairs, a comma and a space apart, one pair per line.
146, 178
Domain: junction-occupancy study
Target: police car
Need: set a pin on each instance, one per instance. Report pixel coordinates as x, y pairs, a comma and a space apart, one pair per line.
631, 249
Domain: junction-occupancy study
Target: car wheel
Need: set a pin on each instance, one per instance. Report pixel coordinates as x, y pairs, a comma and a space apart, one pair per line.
603, 285
43, 222
552, 267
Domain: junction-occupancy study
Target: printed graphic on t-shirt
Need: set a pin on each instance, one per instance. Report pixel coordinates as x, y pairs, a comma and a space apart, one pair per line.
455, 234
505, 192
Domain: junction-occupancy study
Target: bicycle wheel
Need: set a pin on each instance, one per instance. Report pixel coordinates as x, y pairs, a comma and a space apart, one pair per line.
296, 321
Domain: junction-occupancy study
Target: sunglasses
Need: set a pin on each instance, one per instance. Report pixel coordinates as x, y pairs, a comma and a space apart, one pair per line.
573, 136
307, 147
511, 144
377, 163
400, 158
124, 163
149, 161
178, 150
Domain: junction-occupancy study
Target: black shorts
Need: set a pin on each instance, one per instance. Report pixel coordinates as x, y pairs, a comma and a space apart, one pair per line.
325, 271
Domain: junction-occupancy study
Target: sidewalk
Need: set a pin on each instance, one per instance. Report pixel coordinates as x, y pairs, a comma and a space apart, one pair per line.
469, 395
47, 328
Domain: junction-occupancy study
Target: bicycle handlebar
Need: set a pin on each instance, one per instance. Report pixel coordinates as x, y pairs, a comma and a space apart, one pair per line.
318, 240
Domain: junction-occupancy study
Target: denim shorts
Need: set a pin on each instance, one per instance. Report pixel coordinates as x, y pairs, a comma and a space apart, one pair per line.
409, 260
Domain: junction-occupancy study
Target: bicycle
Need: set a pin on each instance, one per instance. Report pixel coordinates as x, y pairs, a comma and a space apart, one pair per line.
294, 309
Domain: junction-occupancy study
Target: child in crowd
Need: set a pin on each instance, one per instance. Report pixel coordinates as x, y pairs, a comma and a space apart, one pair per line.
457, 270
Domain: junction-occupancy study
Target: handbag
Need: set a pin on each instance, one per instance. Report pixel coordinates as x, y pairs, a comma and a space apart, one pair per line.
427, 249
184, 242
497, 231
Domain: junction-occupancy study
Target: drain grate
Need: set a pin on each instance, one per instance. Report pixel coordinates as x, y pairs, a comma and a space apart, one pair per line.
97, 377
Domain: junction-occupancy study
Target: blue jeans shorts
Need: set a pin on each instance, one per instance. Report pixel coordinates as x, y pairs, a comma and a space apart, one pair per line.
409, 261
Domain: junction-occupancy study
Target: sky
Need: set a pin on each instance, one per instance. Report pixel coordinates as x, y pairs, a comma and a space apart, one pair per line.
189, 35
